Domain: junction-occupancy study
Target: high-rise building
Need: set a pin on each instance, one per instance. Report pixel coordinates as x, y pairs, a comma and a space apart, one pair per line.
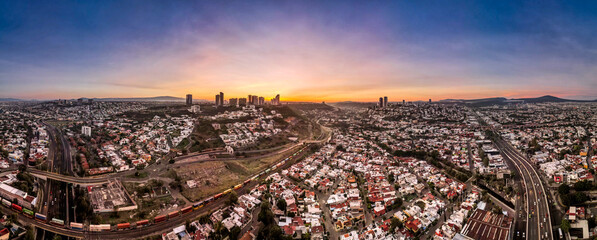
261, 100
250, 99
233, 101
380, 102
189, 99
276, 100
221, 98
217, 99
86, 131
242, 101
255, 100
403, 101
430, 100
385, 101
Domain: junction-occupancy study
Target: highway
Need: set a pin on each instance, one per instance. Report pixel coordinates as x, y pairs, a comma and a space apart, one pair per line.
538, 226
56, 201
100, 179
144, 231
56, 188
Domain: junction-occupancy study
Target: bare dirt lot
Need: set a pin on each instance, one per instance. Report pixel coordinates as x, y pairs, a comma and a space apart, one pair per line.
216, 176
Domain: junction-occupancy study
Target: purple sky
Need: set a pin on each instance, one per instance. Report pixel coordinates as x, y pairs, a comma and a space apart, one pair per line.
303, 50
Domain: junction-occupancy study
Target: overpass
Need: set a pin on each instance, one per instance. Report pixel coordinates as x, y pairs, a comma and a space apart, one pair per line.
101, 179
134, 233
83, 181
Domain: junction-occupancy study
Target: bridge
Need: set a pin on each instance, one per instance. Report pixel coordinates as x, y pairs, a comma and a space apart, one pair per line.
83, 181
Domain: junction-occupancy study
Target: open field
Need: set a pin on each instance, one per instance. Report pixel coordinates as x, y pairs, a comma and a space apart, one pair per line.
216, 176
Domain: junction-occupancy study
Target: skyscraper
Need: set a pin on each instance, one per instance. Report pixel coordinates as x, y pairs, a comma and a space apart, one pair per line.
221, 98
380, 102
233, 101
255, 100
217, 99
385, 101
242, 101
430, 100
261, 100
189, 99
403, 101
276, 100
250, 99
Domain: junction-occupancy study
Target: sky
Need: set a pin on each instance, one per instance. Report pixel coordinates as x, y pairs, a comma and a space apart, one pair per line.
302, 50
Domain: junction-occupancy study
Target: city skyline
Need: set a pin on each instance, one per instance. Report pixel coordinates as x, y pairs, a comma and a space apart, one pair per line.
305, 51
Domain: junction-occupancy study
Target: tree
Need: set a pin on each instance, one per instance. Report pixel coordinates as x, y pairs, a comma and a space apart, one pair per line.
395, 222
234, 233
266, 216
391, 178
219, 231
583, 185
565, 225
232, 199
22, 167
281, 204
564, 189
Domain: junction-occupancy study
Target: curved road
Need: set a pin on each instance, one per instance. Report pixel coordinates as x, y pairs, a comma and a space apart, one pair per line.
538, 226
148, 230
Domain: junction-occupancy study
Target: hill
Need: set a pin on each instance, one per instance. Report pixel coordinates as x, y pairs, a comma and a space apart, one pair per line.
549, 98
502, 100
10, 100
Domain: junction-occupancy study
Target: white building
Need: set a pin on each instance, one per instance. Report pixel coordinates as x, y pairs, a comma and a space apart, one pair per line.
195, 109
86, 131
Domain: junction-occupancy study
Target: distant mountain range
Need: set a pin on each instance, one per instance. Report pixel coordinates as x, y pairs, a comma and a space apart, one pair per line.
10, 100
503, 100
480, 101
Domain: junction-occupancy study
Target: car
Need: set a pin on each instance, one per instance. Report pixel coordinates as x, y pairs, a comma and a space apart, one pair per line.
523, 235
544, 220
518, 234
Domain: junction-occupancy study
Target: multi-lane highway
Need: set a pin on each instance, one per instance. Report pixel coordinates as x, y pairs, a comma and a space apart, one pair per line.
57, 195
144, 231
56, 199
536, 207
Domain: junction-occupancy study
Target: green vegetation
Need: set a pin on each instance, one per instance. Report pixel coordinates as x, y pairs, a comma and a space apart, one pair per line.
138, 174
574, 198
564, 189
565, 225
204, 137
82, 203
395, 223
232, 198
270, 230
281, 204
25, 181
584, 186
